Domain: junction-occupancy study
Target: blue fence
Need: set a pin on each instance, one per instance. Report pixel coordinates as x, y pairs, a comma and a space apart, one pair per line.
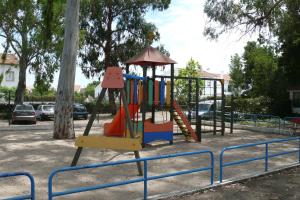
265, 157
143, 179
32, 189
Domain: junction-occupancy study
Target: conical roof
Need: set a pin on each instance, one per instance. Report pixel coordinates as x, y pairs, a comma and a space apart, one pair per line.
150, 57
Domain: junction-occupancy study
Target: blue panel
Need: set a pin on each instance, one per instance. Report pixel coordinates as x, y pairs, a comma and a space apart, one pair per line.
162, 92
153, 136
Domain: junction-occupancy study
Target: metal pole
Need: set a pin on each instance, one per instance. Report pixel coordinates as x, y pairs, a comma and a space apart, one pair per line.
189, 100
172, 92
153, 103
144, 103
266, 157
198, 126
145, 179
215, 107
231, 115
223, 107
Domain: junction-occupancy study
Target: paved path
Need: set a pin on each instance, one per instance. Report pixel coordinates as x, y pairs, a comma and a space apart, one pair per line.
279, 186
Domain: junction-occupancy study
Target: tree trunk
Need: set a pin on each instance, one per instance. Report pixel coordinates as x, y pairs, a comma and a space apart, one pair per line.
63, 118
107, 58
19, 99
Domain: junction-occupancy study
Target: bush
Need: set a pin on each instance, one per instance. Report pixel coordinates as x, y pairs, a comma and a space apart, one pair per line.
258, 105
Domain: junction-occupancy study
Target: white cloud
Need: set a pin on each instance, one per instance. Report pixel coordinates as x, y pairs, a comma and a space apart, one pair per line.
181, 28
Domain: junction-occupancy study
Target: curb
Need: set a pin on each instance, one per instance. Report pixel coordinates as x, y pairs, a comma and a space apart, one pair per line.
218, 184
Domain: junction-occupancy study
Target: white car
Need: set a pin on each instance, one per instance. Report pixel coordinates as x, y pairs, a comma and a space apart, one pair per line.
44, 112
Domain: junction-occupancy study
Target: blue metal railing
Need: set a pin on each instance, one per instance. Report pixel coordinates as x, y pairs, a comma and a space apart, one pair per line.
143, 179
265, 157
32, 188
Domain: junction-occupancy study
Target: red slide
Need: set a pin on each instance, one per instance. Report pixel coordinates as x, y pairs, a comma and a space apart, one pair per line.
117, 127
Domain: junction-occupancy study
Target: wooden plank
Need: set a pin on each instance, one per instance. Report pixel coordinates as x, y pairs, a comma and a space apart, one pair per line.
103, 142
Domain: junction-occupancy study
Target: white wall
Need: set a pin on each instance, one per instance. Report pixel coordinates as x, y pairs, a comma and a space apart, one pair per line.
10, 75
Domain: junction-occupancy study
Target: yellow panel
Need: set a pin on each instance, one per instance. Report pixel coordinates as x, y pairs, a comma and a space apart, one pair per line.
103, 142
139, 134
168, 93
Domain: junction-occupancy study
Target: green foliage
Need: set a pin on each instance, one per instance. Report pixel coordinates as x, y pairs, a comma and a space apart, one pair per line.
255, 105
260, 67
246, 16
5, 92
90, 89
114, 31
192, 69
236, 74
23, 32
41, 85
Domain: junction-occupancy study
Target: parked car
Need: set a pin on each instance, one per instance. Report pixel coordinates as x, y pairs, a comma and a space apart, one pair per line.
205, 109
44, 112
23, 113
79, 112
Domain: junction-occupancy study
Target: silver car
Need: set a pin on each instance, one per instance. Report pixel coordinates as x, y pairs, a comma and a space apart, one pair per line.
23, 113
44, 112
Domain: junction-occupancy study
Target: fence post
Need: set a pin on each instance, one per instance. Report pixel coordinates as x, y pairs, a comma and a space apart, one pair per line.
212, 168
221, 166
299, 149
145, 179
267, 157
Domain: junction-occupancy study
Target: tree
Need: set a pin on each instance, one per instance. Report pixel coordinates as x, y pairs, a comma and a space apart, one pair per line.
23, 31
192, 69
260, 67
246, 16
41, 85
90, 89
236, 74
63, 120
114, 31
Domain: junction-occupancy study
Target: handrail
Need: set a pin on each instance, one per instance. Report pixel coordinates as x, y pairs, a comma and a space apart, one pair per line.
32, 187
144, 179
265, 157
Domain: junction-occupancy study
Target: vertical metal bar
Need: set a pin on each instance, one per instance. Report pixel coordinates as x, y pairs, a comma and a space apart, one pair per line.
89, 125
221, 166
198, 128
50, 187
215, 108
299, 149
153, 103
172, 92
145, 179
127, 68
132, 135
189, 100
144, 103
223, 107
231, 114
212, 168
267, 157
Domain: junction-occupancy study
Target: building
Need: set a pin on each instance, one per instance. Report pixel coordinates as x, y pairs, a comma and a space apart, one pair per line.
209, 84
294, 93
9, 69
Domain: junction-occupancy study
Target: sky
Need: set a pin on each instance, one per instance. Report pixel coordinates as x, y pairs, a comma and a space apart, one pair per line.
181, 29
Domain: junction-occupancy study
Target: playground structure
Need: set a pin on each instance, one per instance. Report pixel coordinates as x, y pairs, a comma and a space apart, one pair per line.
130, 130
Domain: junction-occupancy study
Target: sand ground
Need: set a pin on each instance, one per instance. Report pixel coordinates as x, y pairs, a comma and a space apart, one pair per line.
35, 151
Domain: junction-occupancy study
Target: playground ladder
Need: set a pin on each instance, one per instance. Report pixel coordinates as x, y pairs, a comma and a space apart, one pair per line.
183, 123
